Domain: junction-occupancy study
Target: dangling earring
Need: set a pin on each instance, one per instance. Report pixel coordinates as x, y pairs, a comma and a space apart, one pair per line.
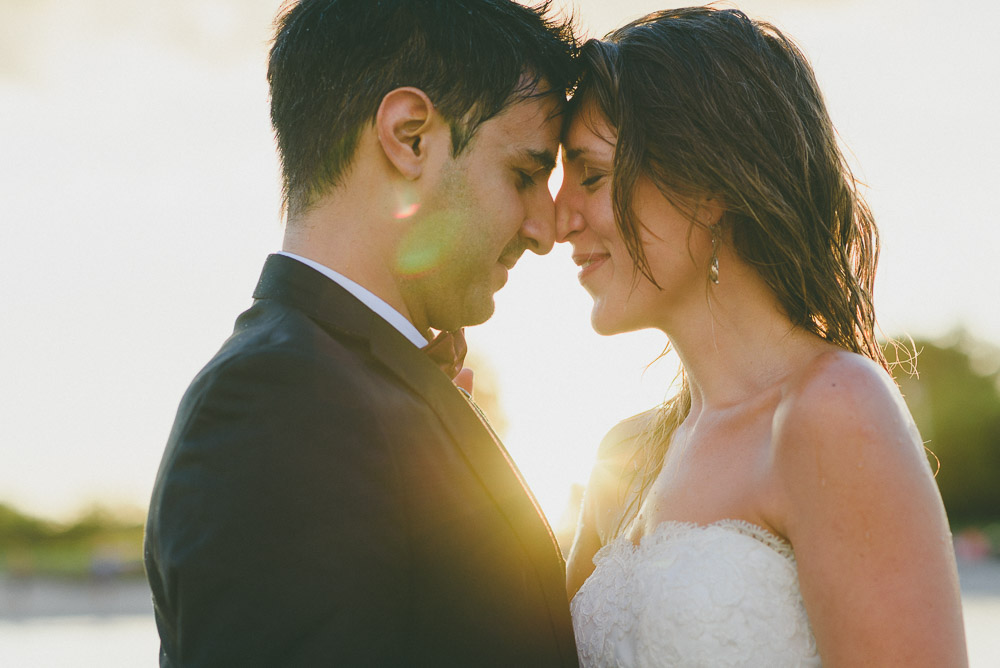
713, 266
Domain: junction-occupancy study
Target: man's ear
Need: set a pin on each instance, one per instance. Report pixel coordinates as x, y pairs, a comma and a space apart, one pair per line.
403, 121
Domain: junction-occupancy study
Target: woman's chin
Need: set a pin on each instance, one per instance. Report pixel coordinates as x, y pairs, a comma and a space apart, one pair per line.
608, 318
605, 324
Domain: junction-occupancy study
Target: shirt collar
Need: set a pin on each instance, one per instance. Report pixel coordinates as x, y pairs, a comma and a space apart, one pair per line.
368, 298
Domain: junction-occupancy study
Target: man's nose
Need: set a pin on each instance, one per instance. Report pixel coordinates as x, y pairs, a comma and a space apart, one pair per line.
539, 227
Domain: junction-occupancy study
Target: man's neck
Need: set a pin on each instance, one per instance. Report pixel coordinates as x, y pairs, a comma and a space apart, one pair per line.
349, 239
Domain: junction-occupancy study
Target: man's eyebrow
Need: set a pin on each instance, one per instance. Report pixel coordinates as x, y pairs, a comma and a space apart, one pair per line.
545, 159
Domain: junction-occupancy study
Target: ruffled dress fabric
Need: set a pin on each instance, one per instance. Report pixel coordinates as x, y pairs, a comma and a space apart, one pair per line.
718, 595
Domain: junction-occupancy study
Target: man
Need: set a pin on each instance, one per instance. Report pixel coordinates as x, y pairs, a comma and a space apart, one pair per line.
327, 495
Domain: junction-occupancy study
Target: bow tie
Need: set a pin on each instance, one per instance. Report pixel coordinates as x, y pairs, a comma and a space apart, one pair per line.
447, 350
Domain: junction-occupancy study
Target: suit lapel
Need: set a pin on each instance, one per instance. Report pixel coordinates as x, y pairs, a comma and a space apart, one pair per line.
470, 431
296, 284
496, 471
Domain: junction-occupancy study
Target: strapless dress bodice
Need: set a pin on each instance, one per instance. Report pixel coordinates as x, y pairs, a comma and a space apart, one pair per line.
723, 594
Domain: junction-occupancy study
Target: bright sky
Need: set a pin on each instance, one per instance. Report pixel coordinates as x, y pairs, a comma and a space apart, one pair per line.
139, 197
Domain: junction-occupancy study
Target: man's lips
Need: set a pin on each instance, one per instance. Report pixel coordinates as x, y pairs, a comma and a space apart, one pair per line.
509, 259
589, 262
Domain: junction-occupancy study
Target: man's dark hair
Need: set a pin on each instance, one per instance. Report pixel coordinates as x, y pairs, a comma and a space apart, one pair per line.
333, 61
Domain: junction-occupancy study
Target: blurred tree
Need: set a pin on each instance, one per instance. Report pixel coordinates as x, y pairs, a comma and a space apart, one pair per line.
100, 542
19, 529
955, 401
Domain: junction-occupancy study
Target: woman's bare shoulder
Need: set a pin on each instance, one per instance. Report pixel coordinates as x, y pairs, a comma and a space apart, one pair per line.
842, 434
840, 394
859, 505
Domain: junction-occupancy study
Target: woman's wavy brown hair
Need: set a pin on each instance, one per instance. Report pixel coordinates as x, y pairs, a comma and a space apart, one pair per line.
708, 102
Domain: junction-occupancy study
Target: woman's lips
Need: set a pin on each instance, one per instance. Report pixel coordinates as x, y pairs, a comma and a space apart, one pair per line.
589, 263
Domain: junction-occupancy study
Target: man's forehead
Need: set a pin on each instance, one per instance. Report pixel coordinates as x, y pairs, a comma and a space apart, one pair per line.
530, 125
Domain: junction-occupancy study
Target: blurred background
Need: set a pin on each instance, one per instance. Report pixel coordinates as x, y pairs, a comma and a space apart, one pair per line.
139, 196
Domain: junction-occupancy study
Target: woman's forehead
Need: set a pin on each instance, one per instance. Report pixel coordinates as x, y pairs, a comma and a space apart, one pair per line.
588, 132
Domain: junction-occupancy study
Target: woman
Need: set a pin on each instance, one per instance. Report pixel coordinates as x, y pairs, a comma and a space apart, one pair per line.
780, 509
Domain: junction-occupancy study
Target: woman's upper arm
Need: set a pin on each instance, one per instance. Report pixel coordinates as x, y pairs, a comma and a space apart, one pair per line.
604, 500
586, 543
871, 539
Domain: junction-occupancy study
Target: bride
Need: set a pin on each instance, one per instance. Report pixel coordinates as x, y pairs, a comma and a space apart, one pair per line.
779, 510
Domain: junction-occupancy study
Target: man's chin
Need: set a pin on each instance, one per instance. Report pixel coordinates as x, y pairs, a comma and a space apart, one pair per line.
473, 314
481, 314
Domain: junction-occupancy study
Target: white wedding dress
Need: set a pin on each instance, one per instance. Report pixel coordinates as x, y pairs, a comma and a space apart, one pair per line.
724, 594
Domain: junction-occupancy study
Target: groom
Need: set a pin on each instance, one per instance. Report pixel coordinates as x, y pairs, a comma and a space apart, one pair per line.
327, 495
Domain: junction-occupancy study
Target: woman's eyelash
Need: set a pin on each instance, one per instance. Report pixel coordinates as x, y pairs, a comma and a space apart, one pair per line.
591, 180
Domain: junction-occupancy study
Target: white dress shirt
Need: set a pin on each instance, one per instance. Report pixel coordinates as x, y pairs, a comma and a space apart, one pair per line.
368, 298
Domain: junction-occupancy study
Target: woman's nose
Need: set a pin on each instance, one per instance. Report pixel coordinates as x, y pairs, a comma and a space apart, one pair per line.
569, 219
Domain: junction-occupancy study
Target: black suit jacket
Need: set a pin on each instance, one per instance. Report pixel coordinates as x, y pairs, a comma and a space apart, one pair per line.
328, 497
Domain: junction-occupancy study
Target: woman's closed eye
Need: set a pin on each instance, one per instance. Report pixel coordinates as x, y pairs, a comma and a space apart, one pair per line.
591, 179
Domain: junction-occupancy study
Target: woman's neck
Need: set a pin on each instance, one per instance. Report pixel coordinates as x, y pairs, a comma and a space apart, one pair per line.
737, 342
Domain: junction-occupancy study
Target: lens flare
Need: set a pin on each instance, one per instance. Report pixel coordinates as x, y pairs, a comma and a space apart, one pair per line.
427, 245
406, 211
407, 202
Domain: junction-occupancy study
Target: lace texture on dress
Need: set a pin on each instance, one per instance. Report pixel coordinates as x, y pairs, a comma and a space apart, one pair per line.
722, 594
